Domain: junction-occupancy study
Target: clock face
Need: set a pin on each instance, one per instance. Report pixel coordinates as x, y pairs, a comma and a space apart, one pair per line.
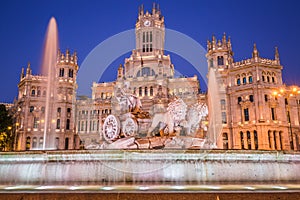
147, 23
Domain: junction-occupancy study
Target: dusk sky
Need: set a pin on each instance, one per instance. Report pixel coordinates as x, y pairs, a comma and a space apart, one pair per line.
82, 25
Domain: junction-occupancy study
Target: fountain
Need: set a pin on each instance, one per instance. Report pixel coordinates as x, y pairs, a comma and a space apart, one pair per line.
48, 64
144, 170
215, 121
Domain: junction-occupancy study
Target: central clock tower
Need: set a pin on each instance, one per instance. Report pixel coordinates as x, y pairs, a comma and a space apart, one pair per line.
147, 60
150, 31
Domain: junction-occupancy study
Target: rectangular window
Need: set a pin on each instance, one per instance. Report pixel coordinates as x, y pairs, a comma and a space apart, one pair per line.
147, 37
273, 114
224, 120
58, 124
223, 104
288, 116
246, 114
61, 72
150, 36
249, 139
71, 73
225, 140
144, 48
143, 37
266, 98
251, 99
35, 122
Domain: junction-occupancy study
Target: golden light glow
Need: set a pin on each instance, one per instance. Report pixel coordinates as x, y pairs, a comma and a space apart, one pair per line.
275, 93
282, 90
294, 89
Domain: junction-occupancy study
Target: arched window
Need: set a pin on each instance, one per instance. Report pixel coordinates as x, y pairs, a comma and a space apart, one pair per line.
57, 142
246, 114
58, 124
238, 80
280, 139
33, 92
255, 140
273, 77
244, 80
44, 93
274, 139
61, 72
220, 60
249, 139
27, 143
269, 137
225, 141
268, 79
250, 79
251, 99
67, 143
31, 108
71, 72
59, 109
41, 141
263, 76
68, 124
146, 91
239, 99
34, 143
266, 97
242, 140
68, 112
151, 91
140, 91
39, 93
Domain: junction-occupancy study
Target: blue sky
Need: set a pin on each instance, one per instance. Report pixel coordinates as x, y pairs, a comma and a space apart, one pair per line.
82, 25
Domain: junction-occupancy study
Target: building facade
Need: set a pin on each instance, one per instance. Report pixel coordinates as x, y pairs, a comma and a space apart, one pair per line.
256, 109
148, 74
30, 108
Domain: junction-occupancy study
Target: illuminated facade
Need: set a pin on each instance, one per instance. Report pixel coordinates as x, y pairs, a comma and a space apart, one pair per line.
148, 74
31, 105
257, 110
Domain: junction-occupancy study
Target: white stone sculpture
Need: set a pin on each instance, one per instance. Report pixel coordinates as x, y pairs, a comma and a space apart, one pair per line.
176, 112
194, 115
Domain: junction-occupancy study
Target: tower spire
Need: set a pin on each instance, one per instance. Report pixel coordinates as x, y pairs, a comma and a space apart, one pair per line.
120, 72
22, 73
28, 70
255, 53
277, 56
224, 40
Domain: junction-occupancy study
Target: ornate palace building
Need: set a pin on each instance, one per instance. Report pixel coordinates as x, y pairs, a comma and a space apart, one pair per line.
31, 106
257, 110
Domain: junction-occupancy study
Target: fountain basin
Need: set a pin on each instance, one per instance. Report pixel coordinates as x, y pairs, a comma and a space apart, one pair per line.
147, 166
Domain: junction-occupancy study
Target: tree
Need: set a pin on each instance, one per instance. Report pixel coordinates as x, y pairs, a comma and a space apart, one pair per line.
6, 130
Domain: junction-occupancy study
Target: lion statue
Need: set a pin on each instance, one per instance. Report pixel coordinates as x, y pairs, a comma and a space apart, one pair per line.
176, 112
194, 115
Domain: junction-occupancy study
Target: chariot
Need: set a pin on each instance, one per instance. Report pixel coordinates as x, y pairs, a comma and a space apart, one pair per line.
130, 124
